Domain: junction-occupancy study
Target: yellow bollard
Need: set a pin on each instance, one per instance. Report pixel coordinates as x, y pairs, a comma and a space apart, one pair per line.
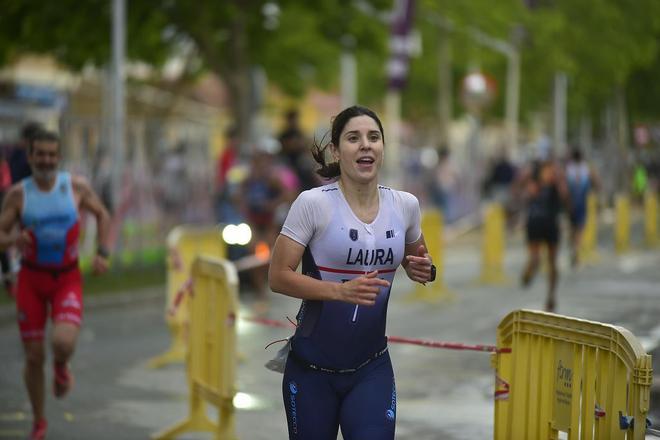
651, 218
432, 227
622, 224
493, 245
588, 248
184, 243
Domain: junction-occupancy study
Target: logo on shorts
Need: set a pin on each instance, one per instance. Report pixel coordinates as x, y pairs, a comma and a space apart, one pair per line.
391, 413
21, 315
353, 234
293, 407
71, 301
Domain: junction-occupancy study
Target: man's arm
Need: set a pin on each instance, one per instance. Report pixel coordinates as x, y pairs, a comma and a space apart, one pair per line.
10, 216
90, 201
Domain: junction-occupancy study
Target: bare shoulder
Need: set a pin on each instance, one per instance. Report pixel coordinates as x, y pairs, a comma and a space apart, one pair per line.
12, 204
14, 195
78, 180
80, 184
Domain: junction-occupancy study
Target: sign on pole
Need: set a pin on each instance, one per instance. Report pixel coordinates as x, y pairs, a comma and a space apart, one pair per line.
401, 46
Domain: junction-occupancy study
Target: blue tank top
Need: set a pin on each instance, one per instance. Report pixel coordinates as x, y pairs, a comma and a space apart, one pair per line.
579, 183
51, 218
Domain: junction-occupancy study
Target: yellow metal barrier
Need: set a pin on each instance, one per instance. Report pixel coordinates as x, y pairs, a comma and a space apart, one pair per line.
622, 224
589, 245
432, 227
583, 378
184, 243
493, 245
651, 218
211, 358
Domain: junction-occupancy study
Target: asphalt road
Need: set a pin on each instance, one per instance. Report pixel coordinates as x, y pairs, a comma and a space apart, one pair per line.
442, 394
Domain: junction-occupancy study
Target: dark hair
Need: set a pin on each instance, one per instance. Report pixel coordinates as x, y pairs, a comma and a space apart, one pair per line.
331, 170
231, 132
30, 129
43, 136
576, 155
291, 114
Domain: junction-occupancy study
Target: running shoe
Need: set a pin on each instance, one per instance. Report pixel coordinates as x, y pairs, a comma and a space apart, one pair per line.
39, 430
62, 380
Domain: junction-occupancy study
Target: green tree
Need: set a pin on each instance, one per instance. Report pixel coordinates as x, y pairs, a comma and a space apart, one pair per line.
78, 33
599, 44
644, 93
297, 43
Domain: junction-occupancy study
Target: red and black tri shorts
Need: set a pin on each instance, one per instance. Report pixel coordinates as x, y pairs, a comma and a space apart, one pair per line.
40, 291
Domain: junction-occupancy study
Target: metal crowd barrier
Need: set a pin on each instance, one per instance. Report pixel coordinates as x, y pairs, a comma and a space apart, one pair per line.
184, 243
586, 379
211, 356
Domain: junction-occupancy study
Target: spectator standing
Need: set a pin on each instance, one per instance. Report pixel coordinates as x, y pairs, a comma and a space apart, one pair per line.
295, 153
17, 159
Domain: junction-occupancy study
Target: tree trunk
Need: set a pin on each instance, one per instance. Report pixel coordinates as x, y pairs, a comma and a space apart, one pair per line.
623, 139
237, 75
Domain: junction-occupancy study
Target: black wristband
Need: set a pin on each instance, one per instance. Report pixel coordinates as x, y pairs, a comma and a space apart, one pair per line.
102, 251
433, 271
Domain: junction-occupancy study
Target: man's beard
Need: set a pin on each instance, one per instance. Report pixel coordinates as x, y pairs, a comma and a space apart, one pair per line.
45, 174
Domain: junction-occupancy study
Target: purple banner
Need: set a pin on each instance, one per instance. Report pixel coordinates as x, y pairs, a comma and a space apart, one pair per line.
400, 45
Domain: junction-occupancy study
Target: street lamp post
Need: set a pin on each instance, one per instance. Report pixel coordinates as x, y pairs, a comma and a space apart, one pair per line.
477, 92
444, 27
348, 72
512, 82
510, 50
401, 47
559, 110
117, 130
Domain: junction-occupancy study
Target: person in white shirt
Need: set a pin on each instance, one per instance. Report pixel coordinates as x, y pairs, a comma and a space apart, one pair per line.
351, 235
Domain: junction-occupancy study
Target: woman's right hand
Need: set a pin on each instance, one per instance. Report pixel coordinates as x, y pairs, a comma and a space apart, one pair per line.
362, 290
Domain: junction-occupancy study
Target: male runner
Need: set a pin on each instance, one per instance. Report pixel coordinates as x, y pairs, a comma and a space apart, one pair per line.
46, 208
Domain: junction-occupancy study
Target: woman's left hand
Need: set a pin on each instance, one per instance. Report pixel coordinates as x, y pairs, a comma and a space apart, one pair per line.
419, 266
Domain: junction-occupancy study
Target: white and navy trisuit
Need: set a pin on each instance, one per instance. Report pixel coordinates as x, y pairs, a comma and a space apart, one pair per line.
339, 371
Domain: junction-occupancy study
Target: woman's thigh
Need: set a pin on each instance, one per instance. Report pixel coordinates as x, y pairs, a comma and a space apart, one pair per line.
311, 403
368, 411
